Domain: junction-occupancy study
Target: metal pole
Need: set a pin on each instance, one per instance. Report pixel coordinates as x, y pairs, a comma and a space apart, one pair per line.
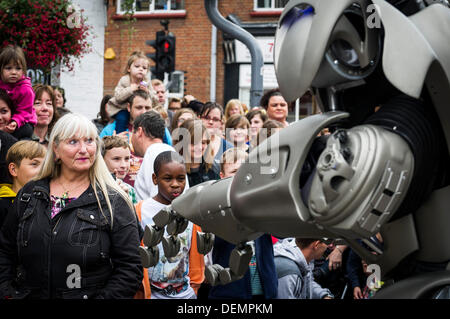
256, 89
212, 90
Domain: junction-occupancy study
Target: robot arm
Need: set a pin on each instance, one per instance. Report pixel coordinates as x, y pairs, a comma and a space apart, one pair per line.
370, 176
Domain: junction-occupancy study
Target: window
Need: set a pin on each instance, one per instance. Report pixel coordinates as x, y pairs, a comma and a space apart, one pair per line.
270, 4
149, 6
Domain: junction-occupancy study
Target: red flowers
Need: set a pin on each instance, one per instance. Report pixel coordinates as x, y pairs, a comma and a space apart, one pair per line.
47, 30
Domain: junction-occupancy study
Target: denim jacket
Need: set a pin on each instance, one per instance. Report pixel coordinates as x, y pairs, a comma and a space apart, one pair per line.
77, 254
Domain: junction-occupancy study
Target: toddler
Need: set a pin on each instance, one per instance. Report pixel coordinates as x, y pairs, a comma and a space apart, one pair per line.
136, 77
13, 68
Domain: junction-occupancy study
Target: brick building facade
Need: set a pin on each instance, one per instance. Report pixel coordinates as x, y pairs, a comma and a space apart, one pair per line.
193, 31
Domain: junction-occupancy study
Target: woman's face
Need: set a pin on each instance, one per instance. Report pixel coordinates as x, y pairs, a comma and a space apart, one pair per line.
77, 153
59, 100
44, 109
234, 109
118, 161
197, 149
239, 135
5, 115
256, 124
277, 108
213, 122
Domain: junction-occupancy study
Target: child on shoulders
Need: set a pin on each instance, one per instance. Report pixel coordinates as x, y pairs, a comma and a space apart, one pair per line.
13, 68
136, 78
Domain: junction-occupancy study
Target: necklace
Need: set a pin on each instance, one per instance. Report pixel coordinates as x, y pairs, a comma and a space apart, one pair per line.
66, 190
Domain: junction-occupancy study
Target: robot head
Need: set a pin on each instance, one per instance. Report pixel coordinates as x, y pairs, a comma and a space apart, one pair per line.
323, 43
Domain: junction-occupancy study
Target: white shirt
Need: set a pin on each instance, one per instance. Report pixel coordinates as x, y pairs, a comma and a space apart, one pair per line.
144, 183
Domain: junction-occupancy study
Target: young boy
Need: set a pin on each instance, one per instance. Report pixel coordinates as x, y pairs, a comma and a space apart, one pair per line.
23, 160
117, 155
180, 277
231, 161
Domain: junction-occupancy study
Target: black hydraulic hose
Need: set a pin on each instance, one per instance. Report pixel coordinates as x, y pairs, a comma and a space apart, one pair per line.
420, 127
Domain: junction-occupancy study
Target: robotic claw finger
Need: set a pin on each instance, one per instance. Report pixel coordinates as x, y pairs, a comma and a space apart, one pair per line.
380, 72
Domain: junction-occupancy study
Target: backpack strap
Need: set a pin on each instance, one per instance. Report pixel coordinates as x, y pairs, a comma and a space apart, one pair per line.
144, 291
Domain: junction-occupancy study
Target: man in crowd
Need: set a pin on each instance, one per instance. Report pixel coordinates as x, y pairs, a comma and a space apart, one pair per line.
294, 262
160, 90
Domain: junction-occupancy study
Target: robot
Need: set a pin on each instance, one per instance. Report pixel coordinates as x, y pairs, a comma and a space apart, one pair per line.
380, 73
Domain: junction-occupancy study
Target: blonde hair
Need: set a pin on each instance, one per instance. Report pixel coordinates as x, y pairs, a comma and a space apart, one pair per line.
76, 124
109, 142
160, 109
230, 104
24, 149
156, 82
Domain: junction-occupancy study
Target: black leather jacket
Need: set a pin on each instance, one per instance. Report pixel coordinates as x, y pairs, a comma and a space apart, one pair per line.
40, 256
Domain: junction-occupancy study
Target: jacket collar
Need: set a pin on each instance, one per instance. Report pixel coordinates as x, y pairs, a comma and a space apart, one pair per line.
87, 198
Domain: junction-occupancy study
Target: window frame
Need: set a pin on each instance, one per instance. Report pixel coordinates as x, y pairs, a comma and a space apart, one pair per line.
271, 8
151, 9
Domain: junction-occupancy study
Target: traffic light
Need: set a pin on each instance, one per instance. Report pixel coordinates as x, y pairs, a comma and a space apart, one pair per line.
164, 56
156, 70
167, 59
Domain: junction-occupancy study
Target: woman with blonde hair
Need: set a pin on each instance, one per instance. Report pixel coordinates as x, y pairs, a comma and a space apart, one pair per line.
233, 106
192, 141
85, 221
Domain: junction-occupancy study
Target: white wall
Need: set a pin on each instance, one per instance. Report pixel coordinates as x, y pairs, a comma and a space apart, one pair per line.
84, 86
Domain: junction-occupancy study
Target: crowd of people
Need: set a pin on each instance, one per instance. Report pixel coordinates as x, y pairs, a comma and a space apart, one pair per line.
76, 195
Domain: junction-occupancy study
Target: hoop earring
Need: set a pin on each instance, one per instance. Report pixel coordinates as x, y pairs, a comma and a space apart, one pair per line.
58, 161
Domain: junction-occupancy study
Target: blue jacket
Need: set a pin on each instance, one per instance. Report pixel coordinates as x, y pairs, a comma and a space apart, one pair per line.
241, 289
109, 129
